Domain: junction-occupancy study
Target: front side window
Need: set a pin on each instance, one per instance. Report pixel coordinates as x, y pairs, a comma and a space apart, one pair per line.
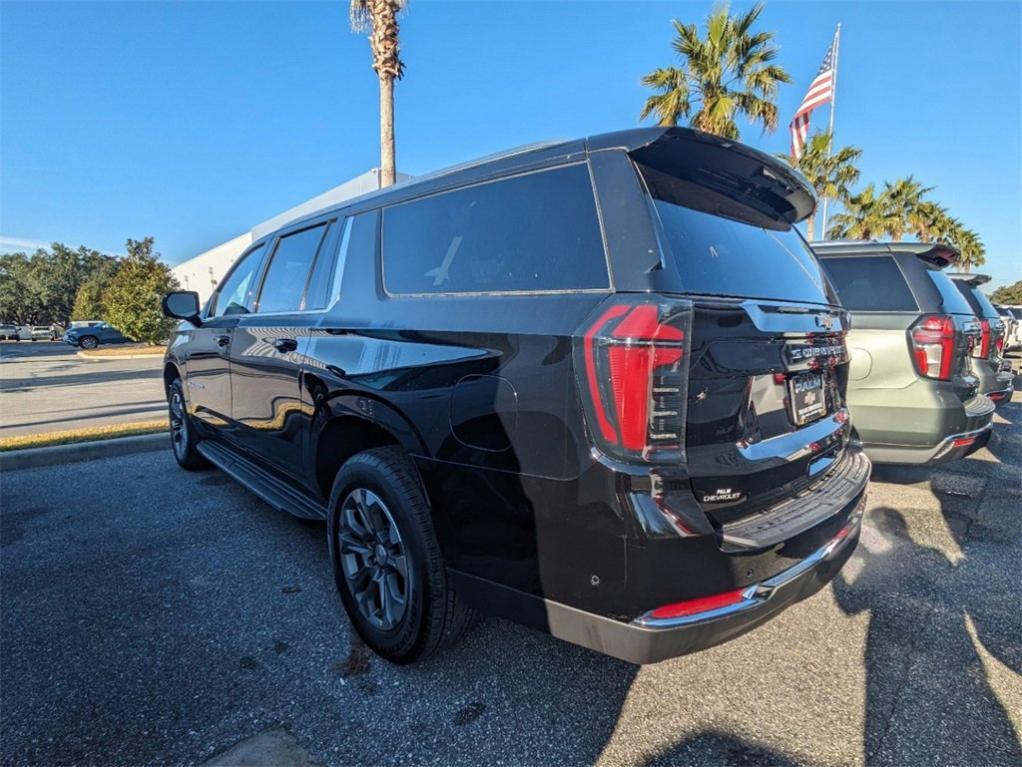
236, 294
870, 284
286, 277
536, 232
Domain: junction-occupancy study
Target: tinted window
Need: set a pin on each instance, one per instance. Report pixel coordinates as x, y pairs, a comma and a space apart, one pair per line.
723, 256
953, 302
236, 293
986, 309
534, 232
284, 284
980, 304
1016, 313
870, 284
320, 283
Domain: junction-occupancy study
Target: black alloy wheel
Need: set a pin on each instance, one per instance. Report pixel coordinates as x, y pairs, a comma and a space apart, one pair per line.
182, 435
373, 559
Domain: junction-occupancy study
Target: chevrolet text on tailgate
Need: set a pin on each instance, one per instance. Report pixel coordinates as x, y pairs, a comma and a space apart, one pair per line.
596, 386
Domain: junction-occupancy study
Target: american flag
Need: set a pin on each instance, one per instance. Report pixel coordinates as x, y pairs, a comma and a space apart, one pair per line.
821, 91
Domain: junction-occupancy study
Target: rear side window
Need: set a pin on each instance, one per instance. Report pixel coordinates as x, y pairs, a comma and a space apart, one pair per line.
724, 256
284, 284
237, 291
537, 232
870, 284
953, 301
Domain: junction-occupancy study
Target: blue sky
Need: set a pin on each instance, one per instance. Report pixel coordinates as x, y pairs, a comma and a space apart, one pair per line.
193, 121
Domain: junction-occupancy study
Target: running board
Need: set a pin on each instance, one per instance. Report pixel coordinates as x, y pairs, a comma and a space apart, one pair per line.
274, 491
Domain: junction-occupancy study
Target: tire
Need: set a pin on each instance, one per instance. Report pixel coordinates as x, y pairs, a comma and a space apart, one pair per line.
379, 491
88, 342
182, 432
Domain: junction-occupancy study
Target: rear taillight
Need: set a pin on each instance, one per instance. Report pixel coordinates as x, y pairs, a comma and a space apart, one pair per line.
933, 345
633, 354
982, 350
999, 345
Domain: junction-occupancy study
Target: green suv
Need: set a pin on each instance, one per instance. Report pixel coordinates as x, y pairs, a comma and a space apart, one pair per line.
913, 394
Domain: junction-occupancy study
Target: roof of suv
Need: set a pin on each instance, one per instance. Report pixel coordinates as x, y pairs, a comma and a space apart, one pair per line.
775, 183
937, 253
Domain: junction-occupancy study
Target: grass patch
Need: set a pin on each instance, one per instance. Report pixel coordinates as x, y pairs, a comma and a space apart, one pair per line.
89, 434
151, 350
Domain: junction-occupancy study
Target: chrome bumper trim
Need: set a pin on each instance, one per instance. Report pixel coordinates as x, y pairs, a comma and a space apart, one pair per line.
758, 593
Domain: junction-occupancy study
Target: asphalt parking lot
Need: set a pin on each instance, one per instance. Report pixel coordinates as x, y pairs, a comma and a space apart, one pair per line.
45, 387
151, 616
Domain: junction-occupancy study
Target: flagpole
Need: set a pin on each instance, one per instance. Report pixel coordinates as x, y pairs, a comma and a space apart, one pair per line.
830, 130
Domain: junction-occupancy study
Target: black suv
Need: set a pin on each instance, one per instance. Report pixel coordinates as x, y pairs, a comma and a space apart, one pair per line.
993, 370
595, 386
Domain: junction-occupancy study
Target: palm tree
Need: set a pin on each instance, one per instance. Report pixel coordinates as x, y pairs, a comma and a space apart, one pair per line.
831, 175
728, 73
866, 215
969, 245
379, 19
902, 198
928, 220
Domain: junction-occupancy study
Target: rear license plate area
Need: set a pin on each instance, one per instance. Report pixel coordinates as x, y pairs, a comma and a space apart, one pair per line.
807, 397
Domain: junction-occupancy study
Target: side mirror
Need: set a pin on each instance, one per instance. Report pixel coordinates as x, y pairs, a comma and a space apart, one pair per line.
182, 305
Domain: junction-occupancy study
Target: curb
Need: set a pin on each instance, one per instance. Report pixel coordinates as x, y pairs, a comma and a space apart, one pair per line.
113, 357
34, 457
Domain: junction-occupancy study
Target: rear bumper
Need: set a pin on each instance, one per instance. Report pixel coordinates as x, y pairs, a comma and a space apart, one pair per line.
950, 449
994, 381
975, 433
650, 640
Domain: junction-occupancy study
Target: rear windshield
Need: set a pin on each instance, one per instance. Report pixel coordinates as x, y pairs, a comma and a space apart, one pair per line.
981, 306
722, 256
870, 284
954, 302
984, 303
1016, 313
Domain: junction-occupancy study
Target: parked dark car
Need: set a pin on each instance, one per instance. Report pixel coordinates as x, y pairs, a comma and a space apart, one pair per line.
912, 392
595, 386
995, 376
91, 336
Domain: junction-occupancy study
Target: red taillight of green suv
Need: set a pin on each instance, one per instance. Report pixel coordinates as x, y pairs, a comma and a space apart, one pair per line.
933, 346
634, 352
982, 351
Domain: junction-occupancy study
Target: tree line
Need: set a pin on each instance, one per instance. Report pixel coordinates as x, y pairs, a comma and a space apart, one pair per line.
59, 285
732, 71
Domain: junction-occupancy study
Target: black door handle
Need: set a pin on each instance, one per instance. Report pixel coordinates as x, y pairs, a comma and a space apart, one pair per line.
223, 340
284, 345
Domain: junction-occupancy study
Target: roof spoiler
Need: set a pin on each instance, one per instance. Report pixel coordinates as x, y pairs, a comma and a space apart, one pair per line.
971, 279
746, 181
939, 254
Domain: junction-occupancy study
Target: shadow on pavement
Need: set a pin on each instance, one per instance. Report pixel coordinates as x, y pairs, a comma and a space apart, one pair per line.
719, 748
937, 618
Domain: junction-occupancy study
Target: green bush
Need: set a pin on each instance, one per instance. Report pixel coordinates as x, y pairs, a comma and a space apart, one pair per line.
133, 298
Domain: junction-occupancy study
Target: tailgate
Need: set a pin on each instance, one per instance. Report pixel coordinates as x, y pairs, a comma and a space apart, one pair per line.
766, 417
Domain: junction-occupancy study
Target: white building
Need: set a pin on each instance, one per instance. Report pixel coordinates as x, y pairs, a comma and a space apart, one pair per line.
204, 272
